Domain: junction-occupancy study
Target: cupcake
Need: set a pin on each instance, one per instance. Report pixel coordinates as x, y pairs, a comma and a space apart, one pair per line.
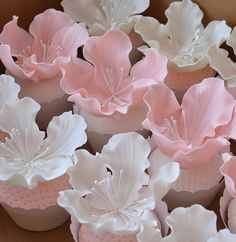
107, 90
185, 41
194, 134
112, 195
33, 164
53, 37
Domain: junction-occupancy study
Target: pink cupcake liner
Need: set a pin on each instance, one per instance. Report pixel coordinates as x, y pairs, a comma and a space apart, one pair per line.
183, 80
87, 235
41, 197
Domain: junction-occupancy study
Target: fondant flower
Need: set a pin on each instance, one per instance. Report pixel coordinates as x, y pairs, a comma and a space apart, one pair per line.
52, 37
25, 156
112, 191
110, 85
219, 60
183, 39
191, 133
100, 16
195, 224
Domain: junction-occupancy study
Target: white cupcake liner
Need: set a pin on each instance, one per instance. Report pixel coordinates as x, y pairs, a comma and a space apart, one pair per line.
101, 129
35, 209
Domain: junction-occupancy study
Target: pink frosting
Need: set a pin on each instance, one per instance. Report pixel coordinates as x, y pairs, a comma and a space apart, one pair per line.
41, 197
106, 84
191, 133
52, 38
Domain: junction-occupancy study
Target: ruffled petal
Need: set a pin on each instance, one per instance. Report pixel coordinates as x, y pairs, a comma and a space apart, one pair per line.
86, 164
163, 179
223, 235
198, 156
77, 74
195, 223
45, 25
231, 41
148, 234
11, 66
117, 58
129, 154
152, 66
65, 133
17, 38
8, 89
67, 40
203, 121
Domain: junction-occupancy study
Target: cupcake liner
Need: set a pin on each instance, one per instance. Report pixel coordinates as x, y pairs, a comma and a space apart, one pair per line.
183, 80
87, 235
36, 209
198, 185
100, 129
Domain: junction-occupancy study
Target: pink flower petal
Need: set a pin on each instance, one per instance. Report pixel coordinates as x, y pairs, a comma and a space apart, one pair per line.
45, 25
77, 74
228, 169
198, 156
67, 40
156, 97
206, 105
14, 36
152, 66
110, 51
11, 66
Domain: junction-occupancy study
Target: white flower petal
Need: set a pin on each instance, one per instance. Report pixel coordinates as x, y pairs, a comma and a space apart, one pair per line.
65, 133
163, 179
8, 89
195, 224
148, 234
219, 60
86, 164
232, 40
223, 235
101, 15
127, 157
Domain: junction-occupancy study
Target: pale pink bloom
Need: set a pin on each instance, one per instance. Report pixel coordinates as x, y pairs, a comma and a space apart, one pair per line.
52, 37
191, 133
106, 83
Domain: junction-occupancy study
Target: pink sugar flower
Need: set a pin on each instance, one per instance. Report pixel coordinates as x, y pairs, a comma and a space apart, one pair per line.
106, 84
192, 133
52, 37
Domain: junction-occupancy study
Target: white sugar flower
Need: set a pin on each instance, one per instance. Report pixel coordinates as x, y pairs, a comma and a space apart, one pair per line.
183, 39
25, 156
195, 224
102, 15
111, 190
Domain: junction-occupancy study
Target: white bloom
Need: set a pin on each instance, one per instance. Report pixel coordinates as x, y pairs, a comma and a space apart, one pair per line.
110, 189
195, 224
102, 15
25, 156
183, 39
